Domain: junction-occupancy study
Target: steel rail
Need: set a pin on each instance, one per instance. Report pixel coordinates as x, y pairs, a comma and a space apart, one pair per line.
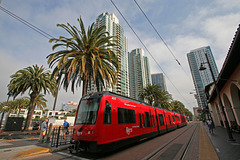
154, 153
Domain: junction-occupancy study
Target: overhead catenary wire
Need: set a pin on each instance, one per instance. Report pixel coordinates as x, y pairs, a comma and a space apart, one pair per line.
147, 50
43, 33
161, 38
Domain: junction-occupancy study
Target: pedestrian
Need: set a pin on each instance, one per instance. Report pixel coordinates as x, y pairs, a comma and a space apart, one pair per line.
65, 128
43, 130
210, 126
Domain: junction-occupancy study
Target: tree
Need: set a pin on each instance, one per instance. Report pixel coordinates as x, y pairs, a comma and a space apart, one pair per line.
20, 103
151, 93
34, 79
178, 106
155, 96
40, 102
165, 100
3, 109
86, 56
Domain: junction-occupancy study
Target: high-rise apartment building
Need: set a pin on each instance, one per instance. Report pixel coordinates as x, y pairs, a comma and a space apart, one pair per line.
139, 72
159, 79
114, 29
201, 78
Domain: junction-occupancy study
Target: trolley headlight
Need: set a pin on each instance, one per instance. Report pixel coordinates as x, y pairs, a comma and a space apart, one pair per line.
90, 132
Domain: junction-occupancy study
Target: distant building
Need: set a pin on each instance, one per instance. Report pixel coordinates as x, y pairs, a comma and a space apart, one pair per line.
159, 79
139, 72
201, 78
23, 113
56, 114
69, 106
196, 114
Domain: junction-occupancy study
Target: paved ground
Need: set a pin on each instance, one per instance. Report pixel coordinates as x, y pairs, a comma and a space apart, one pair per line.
226, 150
15, 145
209, 146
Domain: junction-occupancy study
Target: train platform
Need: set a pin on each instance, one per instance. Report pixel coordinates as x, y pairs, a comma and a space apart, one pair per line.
206, 146
225, 149
19, 145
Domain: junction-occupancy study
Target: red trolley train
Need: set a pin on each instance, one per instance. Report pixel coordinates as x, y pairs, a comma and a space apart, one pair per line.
106, 121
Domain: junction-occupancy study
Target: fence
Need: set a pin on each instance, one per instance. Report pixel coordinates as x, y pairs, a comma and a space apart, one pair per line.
56, 137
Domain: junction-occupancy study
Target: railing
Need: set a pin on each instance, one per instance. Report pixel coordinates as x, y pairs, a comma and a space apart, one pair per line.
55, 136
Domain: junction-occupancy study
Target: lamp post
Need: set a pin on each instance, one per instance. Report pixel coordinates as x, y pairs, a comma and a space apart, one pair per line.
219, 98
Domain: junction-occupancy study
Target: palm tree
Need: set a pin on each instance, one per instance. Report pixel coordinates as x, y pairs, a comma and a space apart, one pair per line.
40, 102
35, 80
151, 94
165, 100
86, 56
20, 103
178, 106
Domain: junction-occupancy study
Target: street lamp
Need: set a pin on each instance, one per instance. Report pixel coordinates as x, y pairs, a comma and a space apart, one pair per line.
219, 97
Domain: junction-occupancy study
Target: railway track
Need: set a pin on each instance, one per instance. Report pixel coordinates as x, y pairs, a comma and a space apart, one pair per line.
175, 148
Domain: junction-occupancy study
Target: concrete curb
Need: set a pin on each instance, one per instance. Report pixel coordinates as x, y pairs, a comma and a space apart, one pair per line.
54, 149
40, 150
31, 152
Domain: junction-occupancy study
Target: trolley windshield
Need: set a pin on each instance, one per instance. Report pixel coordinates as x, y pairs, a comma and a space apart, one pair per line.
87, 112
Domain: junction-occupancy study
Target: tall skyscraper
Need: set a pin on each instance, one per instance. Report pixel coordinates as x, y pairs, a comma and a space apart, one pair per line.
139, 72
201, 78
159, 79
114, 29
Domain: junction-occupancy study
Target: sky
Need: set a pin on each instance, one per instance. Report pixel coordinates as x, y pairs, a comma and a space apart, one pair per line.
184, 25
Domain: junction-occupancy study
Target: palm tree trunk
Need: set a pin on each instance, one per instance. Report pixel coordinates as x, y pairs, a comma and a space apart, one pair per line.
30, 111
85, 87
19, 110
56, 96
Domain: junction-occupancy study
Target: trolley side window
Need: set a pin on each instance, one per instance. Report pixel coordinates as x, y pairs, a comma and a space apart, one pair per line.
107, 118
126, 116
160, 116
153, 123
183, 119
177, 118
140, 119
147, 120
173, 118
143, 120
169, 118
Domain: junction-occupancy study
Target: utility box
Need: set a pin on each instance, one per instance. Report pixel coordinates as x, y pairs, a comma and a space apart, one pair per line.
14, 124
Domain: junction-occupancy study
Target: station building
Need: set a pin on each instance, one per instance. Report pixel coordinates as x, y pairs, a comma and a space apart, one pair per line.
228, 84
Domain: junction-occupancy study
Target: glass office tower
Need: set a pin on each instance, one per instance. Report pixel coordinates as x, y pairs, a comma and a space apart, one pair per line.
112, 26
201, 78
159, 79
139, 72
